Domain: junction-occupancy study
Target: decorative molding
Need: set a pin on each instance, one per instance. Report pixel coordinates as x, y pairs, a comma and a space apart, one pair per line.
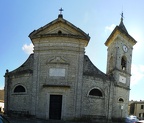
57, 60
59, 86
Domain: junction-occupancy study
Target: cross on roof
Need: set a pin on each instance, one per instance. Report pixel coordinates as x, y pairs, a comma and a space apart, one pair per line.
61, 10
122, 15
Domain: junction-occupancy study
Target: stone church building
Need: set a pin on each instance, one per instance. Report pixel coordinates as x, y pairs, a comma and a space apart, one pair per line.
58, 81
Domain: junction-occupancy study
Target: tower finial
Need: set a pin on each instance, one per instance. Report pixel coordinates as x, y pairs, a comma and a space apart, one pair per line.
121, 25
122, 16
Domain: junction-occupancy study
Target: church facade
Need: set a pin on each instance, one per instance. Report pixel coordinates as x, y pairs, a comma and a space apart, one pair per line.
58, 81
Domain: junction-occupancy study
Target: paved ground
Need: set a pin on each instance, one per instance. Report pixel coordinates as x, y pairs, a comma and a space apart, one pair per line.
28, 120
33, 120
45, 121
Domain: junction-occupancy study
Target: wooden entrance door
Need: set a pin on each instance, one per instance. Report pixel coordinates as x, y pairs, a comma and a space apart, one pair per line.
55, 107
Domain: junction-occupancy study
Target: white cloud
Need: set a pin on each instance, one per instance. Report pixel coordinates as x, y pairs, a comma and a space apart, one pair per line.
110, 28
28, 48
137, 74
1, 87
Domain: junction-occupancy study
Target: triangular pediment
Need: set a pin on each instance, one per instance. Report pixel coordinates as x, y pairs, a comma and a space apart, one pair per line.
59, 27
57, 60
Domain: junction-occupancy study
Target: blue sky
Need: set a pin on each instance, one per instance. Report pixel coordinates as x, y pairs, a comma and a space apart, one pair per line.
96, 17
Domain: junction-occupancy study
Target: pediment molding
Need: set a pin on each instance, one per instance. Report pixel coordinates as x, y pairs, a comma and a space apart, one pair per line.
57, 60
57, 27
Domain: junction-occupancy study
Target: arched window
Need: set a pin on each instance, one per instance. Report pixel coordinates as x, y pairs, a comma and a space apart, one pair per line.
123, 63
95, 92
59, 32
19, 88
121, 100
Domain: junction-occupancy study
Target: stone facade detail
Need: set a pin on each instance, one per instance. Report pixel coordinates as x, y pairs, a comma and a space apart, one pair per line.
58, 81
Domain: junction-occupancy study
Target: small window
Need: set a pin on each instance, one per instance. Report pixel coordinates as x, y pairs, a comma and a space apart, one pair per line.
123, 63
19, 88
142, 106
95, 92
111, 63
121, 100
59, 32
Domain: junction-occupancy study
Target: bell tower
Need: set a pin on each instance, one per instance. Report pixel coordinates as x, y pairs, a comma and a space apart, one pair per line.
119, 59
119, 56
